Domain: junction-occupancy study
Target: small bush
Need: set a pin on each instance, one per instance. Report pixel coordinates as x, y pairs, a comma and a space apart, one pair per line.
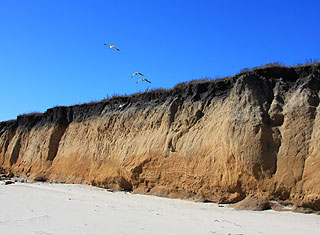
311, 61
180, 85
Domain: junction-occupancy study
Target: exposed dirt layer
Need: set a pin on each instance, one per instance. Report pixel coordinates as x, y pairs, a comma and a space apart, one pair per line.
254, 133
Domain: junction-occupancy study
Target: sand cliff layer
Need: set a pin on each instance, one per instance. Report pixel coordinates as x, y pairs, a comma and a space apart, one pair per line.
255, 133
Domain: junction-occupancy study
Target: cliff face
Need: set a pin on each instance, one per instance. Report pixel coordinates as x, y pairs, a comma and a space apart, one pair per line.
255, 133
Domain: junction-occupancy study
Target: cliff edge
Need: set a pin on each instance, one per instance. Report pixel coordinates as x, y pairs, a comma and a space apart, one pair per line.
256, 133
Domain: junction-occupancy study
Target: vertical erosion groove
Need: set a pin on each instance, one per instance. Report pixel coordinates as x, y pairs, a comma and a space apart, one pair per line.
54, 141
173, 108
15, 152
7, 138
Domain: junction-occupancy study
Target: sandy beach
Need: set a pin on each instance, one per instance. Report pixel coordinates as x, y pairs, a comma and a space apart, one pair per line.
42, 208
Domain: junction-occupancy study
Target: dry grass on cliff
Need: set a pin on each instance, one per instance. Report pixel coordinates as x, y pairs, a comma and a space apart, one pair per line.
269, 65
282, 65
31, 114
183, 85
195, 81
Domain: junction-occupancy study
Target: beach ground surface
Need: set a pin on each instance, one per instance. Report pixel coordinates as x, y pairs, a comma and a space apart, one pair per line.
70, 209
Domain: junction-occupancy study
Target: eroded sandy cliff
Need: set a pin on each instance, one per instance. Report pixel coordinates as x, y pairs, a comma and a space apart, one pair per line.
256, 133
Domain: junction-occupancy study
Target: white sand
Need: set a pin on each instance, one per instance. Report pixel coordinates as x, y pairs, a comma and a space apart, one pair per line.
41, 208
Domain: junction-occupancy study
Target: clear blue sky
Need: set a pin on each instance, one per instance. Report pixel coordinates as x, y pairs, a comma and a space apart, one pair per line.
52, 52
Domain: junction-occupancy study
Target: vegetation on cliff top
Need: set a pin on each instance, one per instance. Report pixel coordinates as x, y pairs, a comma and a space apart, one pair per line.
182, 85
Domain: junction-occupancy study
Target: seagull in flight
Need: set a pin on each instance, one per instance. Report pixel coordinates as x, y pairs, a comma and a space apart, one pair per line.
112, 46
143, 79
137, 73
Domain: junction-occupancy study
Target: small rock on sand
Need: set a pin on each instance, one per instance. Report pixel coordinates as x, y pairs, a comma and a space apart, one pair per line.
8, 182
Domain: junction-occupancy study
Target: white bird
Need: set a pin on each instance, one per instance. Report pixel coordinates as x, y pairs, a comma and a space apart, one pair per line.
112, 46
137, 73
143, 79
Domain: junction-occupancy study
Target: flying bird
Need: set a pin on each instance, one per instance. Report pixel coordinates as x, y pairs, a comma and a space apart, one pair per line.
143, 79
137, 73
112, 46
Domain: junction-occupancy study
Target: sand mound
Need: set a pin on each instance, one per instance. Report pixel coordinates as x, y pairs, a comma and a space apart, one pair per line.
253, 202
